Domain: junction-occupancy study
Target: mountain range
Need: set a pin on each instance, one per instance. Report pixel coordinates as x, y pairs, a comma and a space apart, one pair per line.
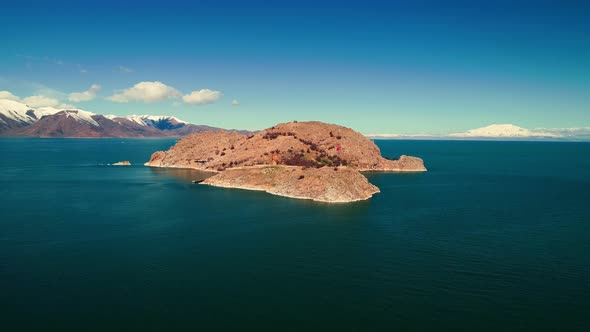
19, 120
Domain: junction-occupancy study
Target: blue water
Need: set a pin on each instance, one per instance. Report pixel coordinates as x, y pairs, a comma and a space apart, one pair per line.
495, 237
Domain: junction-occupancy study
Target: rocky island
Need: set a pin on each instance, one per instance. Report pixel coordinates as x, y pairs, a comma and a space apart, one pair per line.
306, 160
122, 163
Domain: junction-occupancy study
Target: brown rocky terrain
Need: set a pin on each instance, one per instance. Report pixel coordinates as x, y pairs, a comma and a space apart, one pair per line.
327, 156
327, 184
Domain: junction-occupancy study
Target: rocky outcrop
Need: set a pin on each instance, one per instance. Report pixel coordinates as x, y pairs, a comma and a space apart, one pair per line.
122, 163
403, 164
327, 184
327, 157
306, 144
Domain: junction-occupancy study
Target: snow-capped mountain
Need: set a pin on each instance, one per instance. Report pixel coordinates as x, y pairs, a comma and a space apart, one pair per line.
18, 119
500, 132
163, 122
504, 131
14, 114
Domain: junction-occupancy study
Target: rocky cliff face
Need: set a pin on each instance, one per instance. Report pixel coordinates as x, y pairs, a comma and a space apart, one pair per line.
310, 160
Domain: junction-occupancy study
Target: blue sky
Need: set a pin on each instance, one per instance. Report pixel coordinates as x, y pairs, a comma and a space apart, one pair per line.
378, 67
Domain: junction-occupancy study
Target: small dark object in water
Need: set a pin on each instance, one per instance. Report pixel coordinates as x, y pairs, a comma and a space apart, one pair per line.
198, 181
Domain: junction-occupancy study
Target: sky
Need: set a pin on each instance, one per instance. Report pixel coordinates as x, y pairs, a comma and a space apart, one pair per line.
409, 67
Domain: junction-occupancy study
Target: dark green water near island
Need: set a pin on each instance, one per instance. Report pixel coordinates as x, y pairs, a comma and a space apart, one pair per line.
495, 237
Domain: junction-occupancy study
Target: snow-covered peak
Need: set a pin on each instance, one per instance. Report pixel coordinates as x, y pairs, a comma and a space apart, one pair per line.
48, 110
16, 111
22, 113
161, 117
43, 111
11, 105
503, 131
137, 119
147, 120
81, 116
76, 114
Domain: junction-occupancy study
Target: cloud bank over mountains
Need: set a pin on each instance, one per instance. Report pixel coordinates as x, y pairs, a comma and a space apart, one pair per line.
8, 95
35, 100
152, 92
146, 92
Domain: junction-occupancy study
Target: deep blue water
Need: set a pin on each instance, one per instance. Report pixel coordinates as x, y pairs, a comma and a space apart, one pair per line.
495, 237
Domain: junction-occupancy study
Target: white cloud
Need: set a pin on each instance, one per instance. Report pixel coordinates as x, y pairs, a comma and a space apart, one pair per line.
41, 101
8, 95
149, 92
36, 101
86, 95
47, 97
44, 101
235, 103
202, 97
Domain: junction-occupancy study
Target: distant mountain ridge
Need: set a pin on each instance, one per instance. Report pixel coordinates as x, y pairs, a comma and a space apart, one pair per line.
504, 130
501, 132
20, 120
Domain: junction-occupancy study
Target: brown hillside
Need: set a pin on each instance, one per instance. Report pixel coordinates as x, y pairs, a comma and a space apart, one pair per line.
308, 160
309, 144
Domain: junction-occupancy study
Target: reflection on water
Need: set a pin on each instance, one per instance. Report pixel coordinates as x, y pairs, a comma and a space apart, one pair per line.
183, 174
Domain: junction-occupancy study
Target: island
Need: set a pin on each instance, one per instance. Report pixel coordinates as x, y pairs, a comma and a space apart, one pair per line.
122, 163
306, 160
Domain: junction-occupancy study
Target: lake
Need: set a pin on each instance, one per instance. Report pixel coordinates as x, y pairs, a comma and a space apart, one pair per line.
494, 237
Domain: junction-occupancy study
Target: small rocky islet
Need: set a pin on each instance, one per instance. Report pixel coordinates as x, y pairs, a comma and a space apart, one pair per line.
305, 160
122, 163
